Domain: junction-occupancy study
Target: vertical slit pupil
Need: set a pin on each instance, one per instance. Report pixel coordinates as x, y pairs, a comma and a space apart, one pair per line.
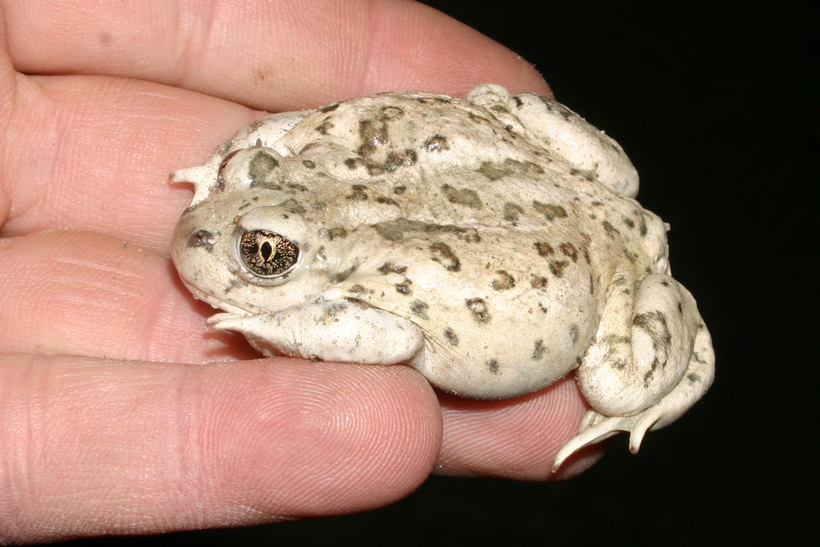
266, 250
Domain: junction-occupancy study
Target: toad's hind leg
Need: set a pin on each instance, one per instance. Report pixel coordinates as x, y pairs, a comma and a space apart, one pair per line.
651, 361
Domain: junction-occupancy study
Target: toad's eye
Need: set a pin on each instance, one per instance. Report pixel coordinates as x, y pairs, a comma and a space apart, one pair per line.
267, 254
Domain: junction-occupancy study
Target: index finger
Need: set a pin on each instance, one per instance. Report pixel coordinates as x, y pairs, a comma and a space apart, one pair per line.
282, 55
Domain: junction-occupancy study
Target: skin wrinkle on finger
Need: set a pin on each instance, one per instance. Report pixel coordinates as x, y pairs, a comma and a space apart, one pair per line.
251, 455
29, 123
8, 76
337, 49
506, 438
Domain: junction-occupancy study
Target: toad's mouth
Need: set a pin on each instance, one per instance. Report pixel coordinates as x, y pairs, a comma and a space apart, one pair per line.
230, 309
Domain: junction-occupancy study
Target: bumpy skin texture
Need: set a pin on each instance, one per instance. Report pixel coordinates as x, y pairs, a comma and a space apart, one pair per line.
490, 242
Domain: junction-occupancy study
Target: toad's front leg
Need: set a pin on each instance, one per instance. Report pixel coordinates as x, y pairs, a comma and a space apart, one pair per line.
329, 331
651, 361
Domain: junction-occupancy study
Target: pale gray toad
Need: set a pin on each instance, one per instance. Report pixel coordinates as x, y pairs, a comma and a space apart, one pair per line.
490, 242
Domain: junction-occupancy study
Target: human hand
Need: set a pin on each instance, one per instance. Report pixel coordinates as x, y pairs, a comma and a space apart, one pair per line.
110, 423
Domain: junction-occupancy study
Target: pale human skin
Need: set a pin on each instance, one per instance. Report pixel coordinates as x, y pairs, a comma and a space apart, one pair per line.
110, 423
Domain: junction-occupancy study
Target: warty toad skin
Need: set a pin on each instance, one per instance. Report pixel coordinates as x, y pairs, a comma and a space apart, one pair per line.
492, 242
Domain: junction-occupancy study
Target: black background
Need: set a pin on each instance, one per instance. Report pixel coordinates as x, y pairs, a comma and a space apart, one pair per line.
714, 103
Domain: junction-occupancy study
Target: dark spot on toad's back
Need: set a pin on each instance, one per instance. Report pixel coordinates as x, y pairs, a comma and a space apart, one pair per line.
394, 230
358, 193
569, 250
261, 165
478, 308
404, 286
324, 127
359, 290
538, 282
462, 196
611, 230
329, 108
573, 333
544, 249
391, 267
419, 309
618, 364
374, 169
373, 136
492, 364
334, 233
503, 282
549, 211
436, 143
491, 171
387, 201
399, 190
445, 256
309, 164
451, 336
292, 205
202, 238
557, 267
394, 160
390, 113
495, 171
538, 350
512, 212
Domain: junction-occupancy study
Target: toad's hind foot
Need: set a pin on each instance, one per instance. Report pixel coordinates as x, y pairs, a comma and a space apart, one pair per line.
596, 427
